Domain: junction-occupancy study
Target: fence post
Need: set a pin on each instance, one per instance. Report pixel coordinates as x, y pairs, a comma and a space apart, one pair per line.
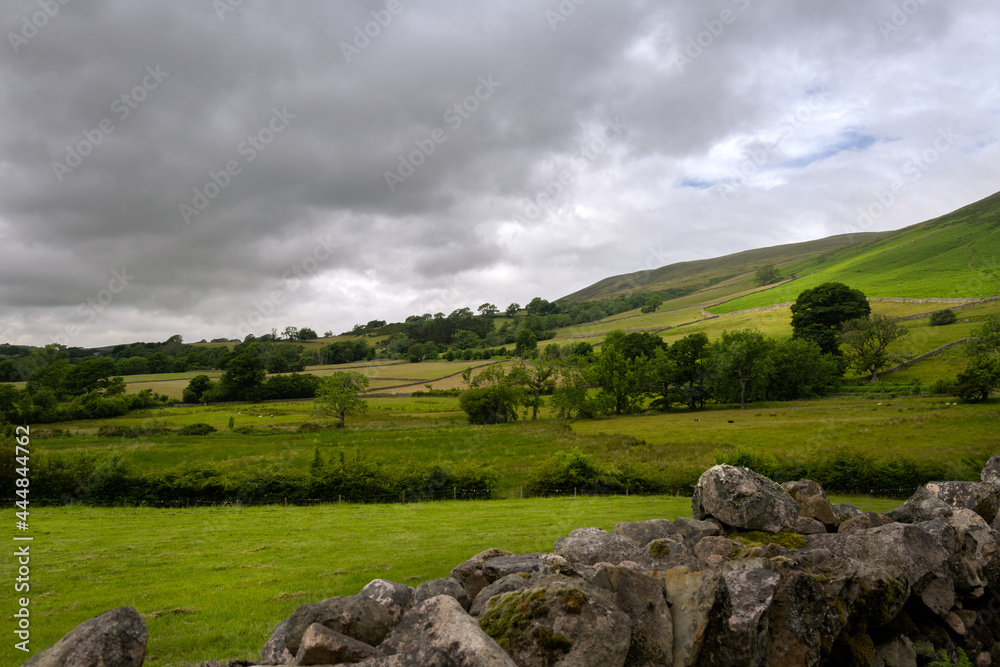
286, 502
574, 492
522, 493
339, 498
454, 493
404, 497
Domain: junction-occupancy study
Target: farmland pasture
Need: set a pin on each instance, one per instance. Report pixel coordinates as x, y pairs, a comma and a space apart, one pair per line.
213, 583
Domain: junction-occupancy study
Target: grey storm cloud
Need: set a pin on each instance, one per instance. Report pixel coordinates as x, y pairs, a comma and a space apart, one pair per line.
328, 163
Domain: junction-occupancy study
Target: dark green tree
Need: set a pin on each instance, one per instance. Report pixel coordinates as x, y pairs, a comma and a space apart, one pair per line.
196, 389
690, 355
620, 374
493, 396
526, 342
244, 375
92, 375
512, 309
818, 314
741, 357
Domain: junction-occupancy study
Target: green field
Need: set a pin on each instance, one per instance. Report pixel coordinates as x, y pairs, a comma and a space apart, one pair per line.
212, 583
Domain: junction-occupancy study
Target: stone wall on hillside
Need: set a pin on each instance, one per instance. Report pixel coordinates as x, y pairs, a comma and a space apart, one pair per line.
763, 574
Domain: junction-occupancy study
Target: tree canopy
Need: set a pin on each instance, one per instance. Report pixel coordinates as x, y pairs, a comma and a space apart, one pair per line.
818, 314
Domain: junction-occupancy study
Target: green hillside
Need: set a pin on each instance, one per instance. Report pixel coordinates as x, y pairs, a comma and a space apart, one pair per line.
708, 272
954, 256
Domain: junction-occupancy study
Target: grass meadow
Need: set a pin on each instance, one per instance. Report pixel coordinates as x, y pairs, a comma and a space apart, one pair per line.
213, 583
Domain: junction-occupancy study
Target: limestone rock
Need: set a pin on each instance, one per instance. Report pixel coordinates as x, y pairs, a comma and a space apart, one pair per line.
396, 598
444, 586
470, 573
864, 521
898, 652
322, 646
742, 498
274, 652
845, 511
643, 599
991, 471
742, 639
644, 532
920, 507
692, 530
802, 625
537, 564
357, 616
560, 623
983, 498
593, 545
693, 596
116, 637
715, 550
512, 582
807, 526
441, 623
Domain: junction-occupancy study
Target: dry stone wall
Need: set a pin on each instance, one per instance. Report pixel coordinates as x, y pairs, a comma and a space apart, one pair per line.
764, 574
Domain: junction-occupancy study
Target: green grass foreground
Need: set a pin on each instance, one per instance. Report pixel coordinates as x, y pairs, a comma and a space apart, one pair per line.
214, 582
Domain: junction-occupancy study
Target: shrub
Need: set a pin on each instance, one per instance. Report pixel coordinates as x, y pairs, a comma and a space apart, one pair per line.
942, 317
196, 429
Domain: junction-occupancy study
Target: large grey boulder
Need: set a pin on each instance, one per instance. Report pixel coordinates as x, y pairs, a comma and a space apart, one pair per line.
444, 586
593, 545
742, 498
643, 599
812, 502
116, 638
991, 471
508, 584
897, 652
920, 507
983, 498
905, 552
802, 624
440, 623
396, 598
973, 552
561, 622
741, 641
644, 532
470, 573
357, 616
322, 646
274, 651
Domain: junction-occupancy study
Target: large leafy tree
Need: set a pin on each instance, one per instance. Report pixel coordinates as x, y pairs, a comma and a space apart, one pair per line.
94, 375
690, 356
818, 314
742, 357
340, 395
244, 375
621, 371
868, 339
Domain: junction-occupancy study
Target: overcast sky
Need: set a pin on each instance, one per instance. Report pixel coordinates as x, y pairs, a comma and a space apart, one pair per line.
212, 170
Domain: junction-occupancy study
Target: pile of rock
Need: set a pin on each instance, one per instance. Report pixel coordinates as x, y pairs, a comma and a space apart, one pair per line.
764, 574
